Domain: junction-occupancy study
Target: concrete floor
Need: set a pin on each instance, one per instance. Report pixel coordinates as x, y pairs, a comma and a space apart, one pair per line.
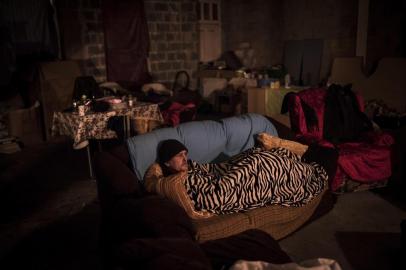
50, 215
50, 211
361, 232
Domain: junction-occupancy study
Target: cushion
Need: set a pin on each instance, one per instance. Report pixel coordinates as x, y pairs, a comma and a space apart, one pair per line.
161, 253
204, 139
268, 142
150, 216
173, 188
114, 179
143, 148
240, 131
194, 135
252, 245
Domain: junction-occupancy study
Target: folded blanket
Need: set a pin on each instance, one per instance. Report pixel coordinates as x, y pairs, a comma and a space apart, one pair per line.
252, 179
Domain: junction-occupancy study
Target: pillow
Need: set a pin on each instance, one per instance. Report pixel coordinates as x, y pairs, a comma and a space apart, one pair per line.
151, 216
157, 88
240, 131
160, 253
173, 188
205, 140
268, 142
143, 148
258, 246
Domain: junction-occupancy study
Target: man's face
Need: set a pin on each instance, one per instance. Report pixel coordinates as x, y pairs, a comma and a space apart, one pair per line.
179, 162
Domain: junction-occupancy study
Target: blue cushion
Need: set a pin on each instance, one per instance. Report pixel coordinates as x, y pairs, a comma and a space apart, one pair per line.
143, 148
241, 131
205, 140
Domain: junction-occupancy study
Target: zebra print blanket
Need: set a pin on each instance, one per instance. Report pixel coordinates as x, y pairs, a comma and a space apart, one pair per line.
252, 179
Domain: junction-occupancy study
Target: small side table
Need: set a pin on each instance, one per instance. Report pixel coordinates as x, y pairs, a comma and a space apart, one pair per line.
94, 125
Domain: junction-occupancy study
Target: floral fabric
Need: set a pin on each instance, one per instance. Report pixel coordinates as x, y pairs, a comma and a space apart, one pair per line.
94, 125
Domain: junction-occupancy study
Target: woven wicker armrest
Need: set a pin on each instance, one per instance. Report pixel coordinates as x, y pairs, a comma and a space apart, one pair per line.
173, 188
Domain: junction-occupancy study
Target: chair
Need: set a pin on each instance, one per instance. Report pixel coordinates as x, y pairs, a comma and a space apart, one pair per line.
364, 161
182, 92
182, 106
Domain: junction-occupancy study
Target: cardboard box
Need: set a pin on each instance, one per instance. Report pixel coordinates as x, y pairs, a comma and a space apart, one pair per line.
26, 125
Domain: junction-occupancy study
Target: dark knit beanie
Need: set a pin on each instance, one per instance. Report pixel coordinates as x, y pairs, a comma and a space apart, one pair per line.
168, 149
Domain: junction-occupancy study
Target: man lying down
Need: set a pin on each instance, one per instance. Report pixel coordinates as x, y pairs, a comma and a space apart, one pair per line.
252, 178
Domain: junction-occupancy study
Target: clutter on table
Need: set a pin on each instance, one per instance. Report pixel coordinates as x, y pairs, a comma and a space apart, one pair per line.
86, 105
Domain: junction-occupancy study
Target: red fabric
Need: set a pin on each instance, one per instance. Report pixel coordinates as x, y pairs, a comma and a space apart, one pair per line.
367, 160
172, 114
361, 103
314, 98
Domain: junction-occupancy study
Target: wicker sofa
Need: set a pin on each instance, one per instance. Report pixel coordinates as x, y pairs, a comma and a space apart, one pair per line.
277, 221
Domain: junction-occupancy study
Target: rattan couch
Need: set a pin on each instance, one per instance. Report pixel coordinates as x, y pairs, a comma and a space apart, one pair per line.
118, 180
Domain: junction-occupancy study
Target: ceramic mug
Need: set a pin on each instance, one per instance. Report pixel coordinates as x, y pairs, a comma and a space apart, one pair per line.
81, 110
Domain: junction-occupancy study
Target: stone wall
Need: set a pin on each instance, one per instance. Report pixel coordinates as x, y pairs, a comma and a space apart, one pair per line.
82, 35
174, 38
266, 25
254, 30
386, 31
257, 29
335, 22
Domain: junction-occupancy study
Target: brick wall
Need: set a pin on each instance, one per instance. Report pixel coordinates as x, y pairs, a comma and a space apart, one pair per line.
253, 29
335, 22
386, 31
174, 38
259, 28
82, 35
94, 62
266, 24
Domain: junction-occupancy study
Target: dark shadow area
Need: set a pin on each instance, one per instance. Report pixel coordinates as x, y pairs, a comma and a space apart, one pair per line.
394, 194
372, 250
34, 175
211, 116
395, 191
71, 243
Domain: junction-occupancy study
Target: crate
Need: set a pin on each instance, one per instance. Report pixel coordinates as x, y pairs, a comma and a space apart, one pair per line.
26, 125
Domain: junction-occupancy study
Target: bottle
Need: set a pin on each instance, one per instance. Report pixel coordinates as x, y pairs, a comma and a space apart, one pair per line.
277, 84
287, 81
130, 100
83, 99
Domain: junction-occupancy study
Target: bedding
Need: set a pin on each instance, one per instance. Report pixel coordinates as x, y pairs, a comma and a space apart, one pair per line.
252, 179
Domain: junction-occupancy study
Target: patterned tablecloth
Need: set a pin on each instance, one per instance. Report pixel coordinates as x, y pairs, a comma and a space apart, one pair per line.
93, 125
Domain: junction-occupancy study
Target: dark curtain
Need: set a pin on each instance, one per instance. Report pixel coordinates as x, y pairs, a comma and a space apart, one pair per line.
126, 42
27, 36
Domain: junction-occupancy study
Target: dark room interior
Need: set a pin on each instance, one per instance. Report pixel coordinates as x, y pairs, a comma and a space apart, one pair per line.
289, 117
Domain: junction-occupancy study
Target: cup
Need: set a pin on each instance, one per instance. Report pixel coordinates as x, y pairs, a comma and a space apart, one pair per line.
131, 101
81, 110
